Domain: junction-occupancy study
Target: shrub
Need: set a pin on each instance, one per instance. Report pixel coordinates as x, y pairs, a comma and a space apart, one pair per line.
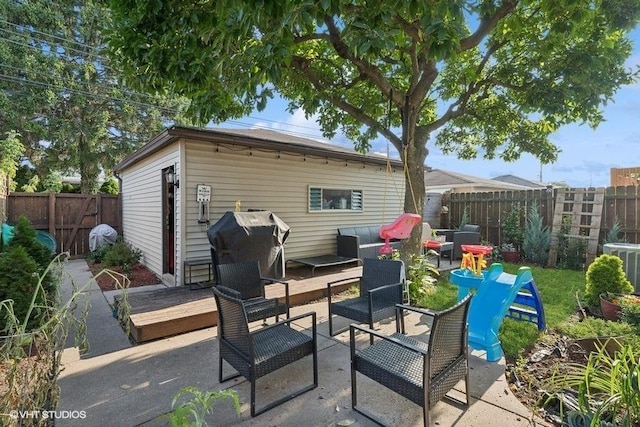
24, 235
422, 277
110, 186
630, 310
605, 275
571, 250
18, 282
121, 254
537, 238
511, 228
97, 256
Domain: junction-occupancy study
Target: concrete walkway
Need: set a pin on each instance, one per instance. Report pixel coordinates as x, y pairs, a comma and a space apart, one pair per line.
117, 384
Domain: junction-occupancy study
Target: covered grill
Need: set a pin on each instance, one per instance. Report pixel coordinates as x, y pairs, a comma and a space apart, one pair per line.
250, 236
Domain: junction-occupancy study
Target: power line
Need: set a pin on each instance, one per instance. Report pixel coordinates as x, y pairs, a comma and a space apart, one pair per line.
13, 79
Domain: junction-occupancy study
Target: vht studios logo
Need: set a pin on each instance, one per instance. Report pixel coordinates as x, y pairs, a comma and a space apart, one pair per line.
22, 415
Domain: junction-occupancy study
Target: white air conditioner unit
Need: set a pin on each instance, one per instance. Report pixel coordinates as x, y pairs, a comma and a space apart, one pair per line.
630, 255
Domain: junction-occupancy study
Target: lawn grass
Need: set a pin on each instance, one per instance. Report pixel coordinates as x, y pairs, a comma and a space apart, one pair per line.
557, 288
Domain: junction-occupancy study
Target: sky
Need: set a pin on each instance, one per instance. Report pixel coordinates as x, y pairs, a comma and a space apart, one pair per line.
585, 160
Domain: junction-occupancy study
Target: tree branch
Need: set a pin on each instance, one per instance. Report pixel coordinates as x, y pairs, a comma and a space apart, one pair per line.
487, 24
303, 66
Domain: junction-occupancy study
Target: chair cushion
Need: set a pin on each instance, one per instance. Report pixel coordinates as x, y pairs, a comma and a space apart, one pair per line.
394, 366
279, 346
358, 309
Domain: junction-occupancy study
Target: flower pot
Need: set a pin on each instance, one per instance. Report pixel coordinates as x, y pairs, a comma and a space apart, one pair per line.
511, 256
610, 309
611, 344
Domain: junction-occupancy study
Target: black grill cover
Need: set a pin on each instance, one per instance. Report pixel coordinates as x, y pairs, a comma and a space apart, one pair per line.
250, 236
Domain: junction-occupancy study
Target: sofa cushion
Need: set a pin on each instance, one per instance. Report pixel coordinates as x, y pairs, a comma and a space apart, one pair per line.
368, 233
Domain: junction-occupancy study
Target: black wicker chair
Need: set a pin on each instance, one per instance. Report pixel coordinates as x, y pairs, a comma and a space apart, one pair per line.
245, 279
380, 290
260, 352
422, 372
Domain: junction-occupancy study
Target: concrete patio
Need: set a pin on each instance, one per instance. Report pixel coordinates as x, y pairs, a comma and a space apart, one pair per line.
117, 384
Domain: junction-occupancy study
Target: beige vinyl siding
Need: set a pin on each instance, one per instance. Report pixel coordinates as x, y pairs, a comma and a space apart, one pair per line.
142, 221
279, 182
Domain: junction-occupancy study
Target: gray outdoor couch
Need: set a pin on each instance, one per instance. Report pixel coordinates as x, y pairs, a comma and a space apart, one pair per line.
362, 241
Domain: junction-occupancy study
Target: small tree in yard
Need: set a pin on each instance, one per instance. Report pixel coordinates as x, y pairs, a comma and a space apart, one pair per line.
537, 238
495, 77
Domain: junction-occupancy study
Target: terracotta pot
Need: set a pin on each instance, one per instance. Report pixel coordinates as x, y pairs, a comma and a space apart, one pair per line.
513, 257
610, 310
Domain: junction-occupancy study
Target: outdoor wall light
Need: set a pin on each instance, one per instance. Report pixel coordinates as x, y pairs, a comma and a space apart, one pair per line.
171, 178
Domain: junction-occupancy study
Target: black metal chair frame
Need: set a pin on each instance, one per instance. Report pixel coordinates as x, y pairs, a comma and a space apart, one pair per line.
249, 286
422, 372
254, 354
380, 289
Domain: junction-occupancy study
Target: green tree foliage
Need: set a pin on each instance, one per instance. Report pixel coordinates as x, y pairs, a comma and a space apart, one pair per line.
63, 96
110, 186
11, 151
493, 78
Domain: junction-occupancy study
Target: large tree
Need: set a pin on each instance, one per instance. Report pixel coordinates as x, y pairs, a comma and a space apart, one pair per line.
488, 77
61, 94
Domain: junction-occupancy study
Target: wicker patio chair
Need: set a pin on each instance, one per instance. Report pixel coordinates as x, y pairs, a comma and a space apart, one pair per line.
260, 352
421, 372
380, 289
245, 279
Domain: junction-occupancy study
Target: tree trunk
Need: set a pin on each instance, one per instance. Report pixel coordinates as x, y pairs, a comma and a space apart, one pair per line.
414, 158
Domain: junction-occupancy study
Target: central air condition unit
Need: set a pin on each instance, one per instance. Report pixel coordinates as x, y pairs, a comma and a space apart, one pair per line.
630, 255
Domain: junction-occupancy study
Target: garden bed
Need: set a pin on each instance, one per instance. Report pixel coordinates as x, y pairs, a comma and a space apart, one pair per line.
140, 276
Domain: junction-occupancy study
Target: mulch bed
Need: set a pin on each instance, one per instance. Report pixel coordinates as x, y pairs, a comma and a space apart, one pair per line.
140, 276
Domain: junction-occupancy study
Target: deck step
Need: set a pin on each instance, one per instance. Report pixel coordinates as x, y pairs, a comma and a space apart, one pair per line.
166, 312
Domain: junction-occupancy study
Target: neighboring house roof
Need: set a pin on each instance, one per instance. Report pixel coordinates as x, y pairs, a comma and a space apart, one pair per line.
438, 180
512, 179
255, 138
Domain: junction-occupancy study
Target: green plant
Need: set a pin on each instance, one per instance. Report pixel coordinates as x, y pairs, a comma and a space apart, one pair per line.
605, 275
596, 327
121, 254
571, 249
26, 236
97, 256
613, 233
421, 277
110, 186
537, 238
465, 218
512, 228
607, 386
31, 382
630, 310
18, 283
192, 412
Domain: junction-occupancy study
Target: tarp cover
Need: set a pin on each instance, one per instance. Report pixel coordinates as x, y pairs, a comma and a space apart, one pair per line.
102, 235
251, 236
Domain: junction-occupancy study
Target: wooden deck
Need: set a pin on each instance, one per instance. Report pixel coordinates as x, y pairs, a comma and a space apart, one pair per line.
165, 312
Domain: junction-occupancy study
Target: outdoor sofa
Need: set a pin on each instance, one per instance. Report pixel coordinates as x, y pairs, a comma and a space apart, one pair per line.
362, 241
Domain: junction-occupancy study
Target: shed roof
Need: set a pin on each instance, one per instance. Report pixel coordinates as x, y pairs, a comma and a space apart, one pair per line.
438, 178
255, 138
513, 179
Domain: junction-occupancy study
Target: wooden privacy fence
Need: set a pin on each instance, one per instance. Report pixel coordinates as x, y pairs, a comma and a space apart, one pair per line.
68, 217
489, 208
